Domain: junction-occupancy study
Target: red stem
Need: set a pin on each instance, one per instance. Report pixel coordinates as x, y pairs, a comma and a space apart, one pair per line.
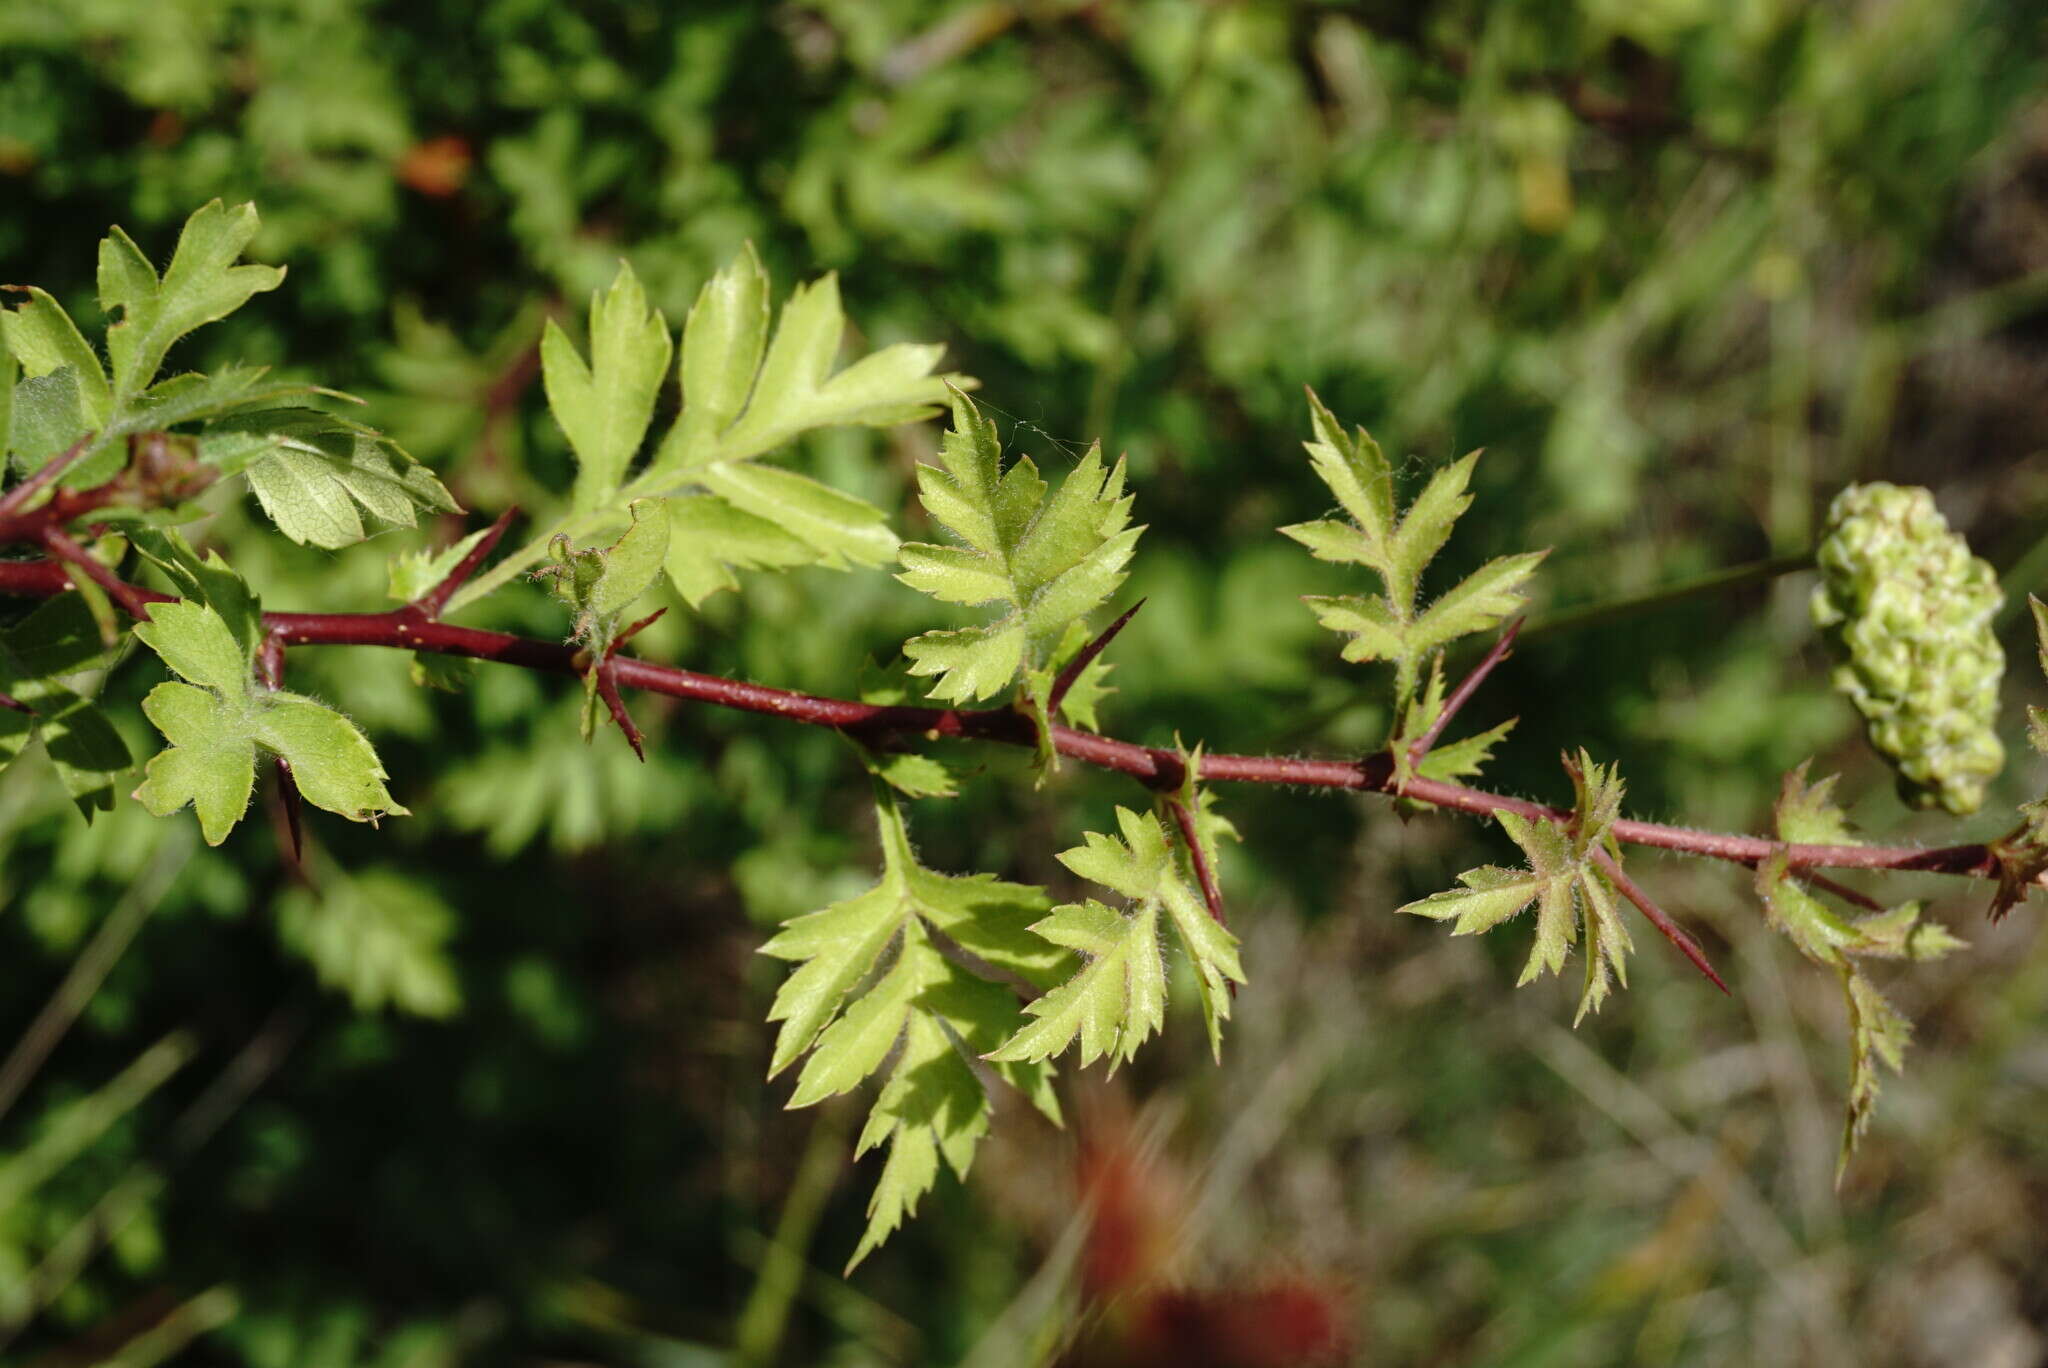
434, 600
77, 559
407, 629
1081, 661
1212, 892
12, 501
1657, 917
1463, 693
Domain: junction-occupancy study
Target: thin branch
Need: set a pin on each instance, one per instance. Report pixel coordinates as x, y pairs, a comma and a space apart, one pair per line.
1502, 649
16, 498
432, 603
59, 543
9, 701
403, 629
1086, 657
1212, 892
608, 690
1852, 896
1658, 918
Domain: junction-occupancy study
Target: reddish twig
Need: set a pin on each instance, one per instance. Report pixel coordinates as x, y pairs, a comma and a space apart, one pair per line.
1086, 657
431, 603
608, 690
59, 544
14, 704
1502, 649
1854, 897
404, 629
1212, 892
1205, 873
1658, 918
16, 498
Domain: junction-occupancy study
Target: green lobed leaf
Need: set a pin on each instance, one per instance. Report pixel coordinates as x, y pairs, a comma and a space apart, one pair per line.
214, 731
196, 642
210, 762
1807, 814
1048, 562
47, 417
709, 539
933, 1106
310, 470
202, 284
850, 1003
415, 574
1478, 603
604, 406
743, 396
1117, 998
1596, 800
722, 342
1490, 896
1877, 1035
333, 763
837, 528
208, 580
1463, 758
1392, 626
1573, 894
741, 402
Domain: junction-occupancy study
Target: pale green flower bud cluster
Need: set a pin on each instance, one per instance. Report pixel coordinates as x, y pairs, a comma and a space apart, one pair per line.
1908, 610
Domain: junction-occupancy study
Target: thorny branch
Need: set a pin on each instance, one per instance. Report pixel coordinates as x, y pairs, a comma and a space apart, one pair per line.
416, 627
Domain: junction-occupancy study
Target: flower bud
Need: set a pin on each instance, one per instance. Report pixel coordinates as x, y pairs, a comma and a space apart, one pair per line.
1908, 611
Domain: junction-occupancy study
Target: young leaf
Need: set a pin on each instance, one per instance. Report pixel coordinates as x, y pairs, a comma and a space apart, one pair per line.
600, 583
414, 574
1465, 758
604, 406
1114, 1003
1807, 813
795, 388
215, 722
1393, 626
201, 284
1048, 562
722, 342
210, 762
209, 581
1119, 996
1877, 1033
870, 980
743, 396
1566, 880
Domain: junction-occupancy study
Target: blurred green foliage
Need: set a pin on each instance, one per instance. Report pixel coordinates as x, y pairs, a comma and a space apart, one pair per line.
489, 1087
